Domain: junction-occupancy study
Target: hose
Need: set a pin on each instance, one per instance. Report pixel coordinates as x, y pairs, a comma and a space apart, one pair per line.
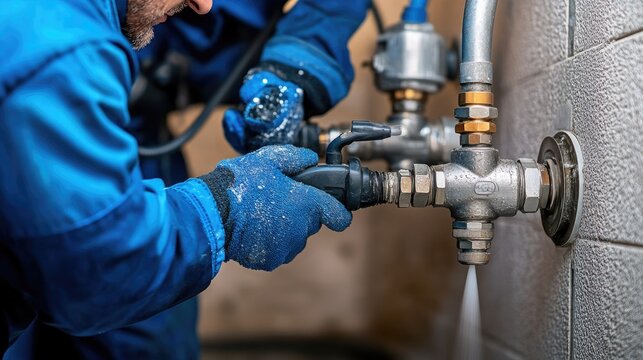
237, 73
415, 12
377, 16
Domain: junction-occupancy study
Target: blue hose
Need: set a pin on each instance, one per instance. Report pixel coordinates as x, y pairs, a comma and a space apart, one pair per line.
415, 12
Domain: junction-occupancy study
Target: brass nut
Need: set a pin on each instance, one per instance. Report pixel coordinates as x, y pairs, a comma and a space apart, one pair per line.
475, 127
475, 98
440, 187
423, 185
406, 189
409, 94
324, 138
545, 186
475, 139
476, 112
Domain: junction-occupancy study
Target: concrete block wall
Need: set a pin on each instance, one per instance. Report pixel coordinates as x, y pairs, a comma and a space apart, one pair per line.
583, 58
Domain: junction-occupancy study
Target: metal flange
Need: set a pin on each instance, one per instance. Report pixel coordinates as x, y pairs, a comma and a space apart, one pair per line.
562, 155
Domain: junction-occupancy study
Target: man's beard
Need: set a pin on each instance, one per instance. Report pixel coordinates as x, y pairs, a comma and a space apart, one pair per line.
141, 17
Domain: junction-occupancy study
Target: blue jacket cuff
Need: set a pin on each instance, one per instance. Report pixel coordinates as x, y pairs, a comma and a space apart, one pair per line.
296, 53
199, 195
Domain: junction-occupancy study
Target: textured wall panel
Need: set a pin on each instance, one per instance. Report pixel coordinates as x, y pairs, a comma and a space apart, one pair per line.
538, 38
606, 89
600, 21
608, 301
529, 112
525, 299
526, 290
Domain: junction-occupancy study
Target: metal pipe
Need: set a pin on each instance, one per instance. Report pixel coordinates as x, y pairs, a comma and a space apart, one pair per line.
476, 71
477, 30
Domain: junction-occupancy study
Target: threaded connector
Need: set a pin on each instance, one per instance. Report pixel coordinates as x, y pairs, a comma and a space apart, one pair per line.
476, 114
474, 241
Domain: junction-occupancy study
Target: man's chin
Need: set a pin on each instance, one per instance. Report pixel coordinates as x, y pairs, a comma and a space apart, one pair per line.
141, 38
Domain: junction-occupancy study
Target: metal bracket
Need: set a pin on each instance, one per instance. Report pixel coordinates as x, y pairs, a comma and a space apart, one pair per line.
562, 155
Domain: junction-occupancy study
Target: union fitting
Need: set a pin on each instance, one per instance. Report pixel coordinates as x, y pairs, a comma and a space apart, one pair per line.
476, 114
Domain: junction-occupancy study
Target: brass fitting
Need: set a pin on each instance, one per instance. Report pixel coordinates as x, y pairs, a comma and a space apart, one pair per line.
475, 98
476, 114
324, 139
475, 126
409, 94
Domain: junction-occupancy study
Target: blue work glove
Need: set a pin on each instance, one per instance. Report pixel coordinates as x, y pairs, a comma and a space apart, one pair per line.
268, 216
272, 115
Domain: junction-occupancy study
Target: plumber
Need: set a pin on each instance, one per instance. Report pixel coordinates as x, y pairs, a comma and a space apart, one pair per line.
100, 259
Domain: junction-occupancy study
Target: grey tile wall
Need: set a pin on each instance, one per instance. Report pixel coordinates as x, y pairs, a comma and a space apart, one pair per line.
608, 301
525, 299
525, 52
600, 21
533, 304
605, 85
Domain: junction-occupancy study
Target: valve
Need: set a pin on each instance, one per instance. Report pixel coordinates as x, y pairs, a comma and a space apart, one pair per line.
352, 184
477, 187
423, 68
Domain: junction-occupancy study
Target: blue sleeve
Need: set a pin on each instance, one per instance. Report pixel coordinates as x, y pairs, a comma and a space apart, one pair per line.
310, 46
88, 243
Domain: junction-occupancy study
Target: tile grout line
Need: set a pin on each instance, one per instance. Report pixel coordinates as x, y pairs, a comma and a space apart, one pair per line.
614, 243
571, 26
626, 35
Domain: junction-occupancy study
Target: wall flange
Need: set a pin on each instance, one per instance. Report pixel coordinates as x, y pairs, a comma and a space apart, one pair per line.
562, 155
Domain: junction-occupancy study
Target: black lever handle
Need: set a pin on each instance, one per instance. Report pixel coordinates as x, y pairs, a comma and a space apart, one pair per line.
352, 184
360, 131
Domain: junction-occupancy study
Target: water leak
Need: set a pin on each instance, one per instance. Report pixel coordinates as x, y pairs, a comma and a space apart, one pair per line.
468, 342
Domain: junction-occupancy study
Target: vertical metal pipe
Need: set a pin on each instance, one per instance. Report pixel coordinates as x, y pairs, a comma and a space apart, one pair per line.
476, 71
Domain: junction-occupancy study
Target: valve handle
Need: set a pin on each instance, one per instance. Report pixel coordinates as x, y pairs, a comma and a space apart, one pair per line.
361, 130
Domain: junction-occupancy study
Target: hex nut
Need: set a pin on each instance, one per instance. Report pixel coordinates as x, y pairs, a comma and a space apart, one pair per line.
472, 230
475, 126
406, 188
423, 185
476, 112
545, 186
474, 244
475, 98
475, 139
474, 257
440, 186
532, 184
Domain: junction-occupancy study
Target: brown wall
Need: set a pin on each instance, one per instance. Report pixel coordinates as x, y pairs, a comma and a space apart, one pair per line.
392, 276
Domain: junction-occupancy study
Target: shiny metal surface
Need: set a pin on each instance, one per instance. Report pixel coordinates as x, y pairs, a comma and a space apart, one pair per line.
563, 157
423, 64
476, 71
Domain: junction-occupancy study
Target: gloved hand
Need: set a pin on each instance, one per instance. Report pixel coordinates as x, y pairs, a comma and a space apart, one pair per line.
267, 215
272, 115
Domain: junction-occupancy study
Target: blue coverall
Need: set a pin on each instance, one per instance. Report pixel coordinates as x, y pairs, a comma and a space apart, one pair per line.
86, 244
